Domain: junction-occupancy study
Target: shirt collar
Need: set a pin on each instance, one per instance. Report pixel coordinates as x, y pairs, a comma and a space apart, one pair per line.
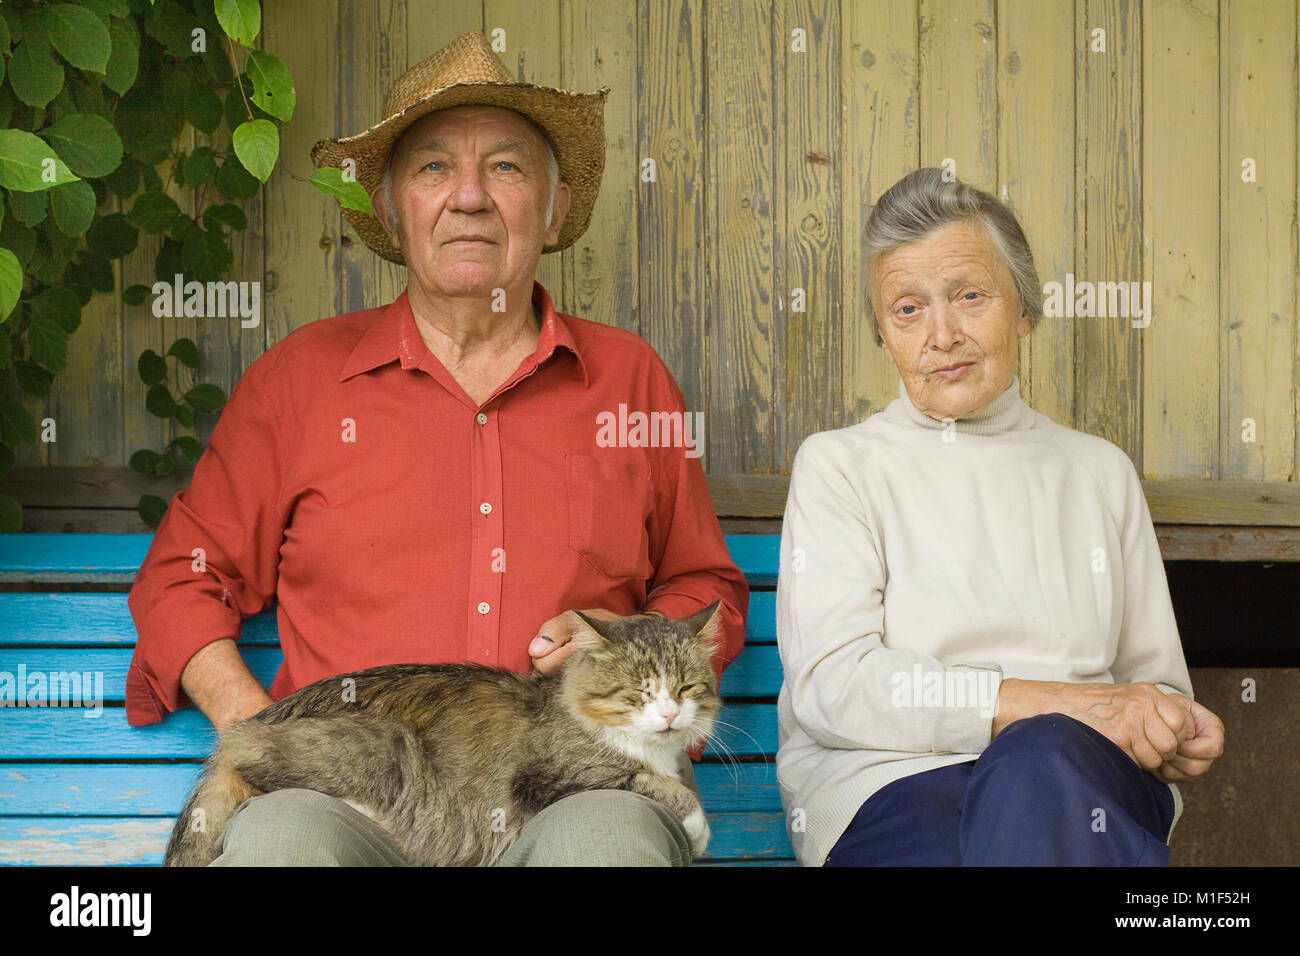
393, 336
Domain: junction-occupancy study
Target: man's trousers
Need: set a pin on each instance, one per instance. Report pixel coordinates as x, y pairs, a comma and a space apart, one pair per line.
597, 828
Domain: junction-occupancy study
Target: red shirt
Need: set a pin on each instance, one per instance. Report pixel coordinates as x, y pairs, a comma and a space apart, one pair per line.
393, 520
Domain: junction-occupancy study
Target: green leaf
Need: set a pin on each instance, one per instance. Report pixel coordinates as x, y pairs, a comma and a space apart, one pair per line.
185, 415
5, 37
158, 400
57, 306
154, 211
88, 143
171, 24
203, 108
11, 283
350, 193
34, 74
112, 236
7, 104
28, 163
11, 515
167, 264
200, 166
152, 367
88, 93
142, 461
151, 148
78, 34
241, 19
124, 180
151, 508
98, 7
164, 466
47, 342
205, 255
272, 84
257, 144
175, 91
205, 398
53, 252
226, 214
186, 352
32, 379
73, 205
136, 294
124, 61
18, 239
189, 447
28, 208
235, 110
16, 424
95, 273
234, 181
12, 22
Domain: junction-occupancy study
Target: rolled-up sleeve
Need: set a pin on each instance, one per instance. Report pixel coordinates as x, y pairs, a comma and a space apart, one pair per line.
214, 557
830, 625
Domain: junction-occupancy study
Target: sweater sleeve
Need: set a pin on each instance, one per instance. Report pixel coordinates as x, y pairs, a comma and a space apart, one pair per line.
1148, 648
841, 668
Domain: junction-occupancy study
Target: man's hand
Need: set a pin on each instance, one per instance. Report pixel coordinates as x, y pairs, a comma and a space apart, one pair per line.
551, 646
1166, 734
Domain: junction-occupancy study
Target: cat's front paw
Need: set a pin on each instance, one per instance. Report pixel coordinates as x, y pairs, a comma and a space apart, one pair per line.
697, 830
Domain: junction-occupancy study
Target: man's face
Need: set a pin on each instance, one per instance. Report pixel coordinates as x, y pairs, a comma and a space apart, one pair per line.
949, 299
470, 186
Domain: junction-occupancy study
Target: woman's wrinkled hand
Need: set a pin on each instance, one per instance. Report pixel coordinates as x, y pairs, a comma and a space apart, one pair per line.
1169, 735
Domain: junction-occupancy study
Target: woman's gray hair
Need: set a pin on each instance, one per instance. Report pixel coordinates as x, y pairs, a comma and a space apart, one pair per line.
552, 173
923, 201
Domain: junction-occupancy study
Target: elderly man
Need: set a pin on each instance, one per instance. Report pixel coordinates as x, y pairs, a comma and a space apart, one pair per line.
424, 482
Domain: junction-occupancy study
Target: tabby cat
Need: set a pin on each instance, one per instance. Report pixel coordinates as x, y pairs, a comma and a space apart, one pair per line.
453, 759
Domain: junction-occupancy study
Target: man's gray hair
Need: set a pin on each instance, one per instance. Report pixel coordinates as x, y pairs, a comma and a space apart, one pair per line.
923, 201
552, 174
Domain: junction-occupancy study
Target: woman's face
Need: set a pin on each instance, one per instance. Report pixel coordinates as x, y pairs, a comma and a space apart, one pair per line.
947, 300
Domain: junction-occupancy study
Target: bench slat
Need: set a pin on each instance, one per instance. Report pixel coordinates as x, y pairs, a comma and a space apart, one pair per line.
111, 790
79, 619
757, 673
72, 557
60, 733
116, 557
115, 841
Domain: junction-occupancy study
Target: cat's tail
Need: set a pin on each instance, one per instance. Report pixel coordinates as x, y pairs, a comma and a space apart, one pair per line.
196, 838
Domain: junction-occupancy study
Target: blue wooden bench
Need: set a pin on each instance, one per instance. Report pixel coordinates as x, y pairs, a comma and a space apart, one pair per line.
83, 788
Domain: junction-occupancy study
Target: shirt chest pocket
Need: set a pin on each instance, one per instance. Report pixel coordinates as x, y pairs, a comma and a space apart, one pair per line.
609, 500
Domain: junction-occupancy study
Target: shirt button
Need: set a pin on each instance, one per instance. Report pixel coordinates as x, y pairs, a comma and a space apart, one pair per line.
485, 507
481, 418
484, 607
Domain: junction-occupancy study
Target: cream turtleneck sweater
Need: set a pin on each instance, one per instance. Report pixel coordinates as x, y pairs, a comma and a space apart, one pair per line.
922, 563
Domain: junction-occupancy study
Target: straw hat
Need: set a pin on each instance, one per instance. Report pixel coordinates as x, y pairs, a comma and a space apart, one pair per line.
464, 72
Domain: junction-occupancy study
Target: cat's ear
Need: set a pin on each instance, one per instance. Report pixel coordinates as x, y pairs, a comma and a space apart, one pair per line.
590, 637
706, 625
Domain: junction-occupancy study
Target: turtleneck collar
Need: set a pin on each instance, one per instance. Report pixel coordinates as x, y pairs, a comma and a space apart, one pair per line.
1006, 413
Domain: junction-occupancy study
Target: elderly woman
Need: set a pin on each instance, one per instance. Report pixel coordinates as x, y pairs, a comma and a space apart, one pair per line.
982, 665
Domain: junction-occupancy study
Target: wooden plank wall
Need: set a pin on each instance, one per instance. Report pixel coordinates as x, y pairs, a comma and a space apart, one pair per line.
773, 125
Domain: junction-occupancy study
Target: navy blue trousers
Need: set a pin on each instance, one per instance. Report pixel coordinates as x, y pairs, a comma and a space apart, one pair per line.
1048, 791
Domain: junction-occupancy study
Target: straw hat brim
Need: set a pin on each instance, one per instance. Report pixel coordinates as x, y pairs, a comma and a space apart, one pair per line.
574, 123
